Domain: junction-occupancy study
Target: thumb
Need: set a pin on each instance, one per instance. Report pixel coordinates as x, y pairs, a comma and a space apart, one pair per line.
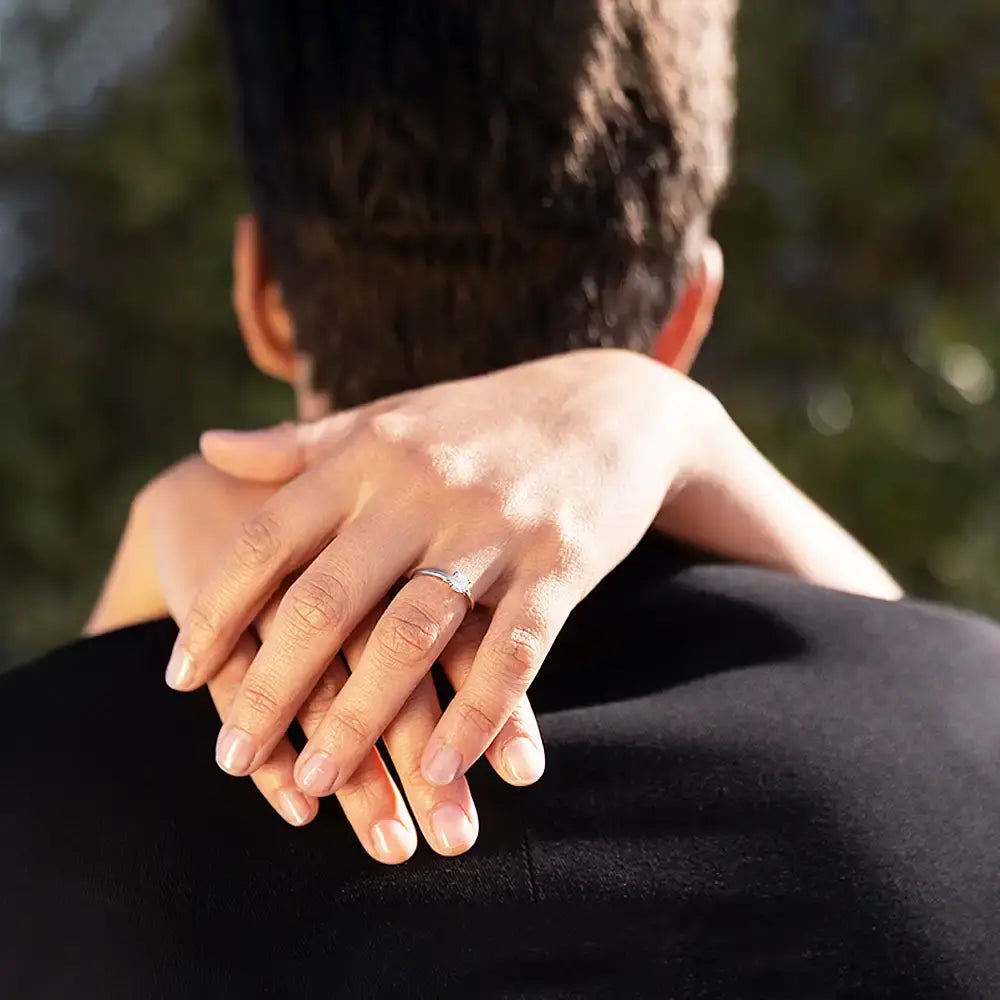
274, 454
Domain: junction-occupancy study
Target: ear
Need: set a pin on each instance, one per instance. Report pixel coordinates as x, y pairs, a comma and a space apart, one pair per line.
689, 323
267, 328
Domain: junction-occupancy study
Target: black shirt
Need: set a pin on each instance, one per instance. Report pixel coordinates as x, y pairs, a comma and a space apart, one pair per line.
754, 788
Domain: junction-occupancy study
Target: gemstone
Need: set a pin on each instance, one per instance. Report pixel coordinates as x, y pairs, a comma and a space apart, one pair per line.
459, 582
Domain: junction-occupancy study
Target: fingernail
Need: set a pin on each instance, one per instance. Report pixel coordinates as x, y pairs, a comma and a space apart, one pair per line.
294, 806
443, 766
318, 774
452, 828
523, 760
235, 751
180, 668
392, 841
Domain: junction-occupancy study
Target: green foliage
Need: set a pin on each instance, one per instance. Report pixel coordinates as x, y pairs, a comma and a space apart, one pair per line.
857, 340
124, 347
862, 236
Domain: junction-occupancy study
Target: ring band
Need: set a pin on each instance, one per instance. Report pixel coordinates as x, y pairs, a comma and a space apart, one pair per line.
458, 581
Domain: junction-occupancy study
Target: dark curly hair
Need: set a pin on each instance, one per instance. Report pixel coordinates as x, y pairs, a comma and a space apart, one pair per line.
450, 186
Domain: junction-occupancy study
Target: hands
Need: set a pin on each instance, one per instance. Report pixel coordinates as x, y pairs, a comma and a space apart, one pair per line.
182, 520
534, 482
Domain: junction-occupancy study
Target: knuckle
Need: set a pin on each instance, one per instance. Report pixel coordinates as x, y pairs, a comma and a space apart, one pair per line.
318, 705
258, 542
261, 698
565, 545
514, 517
318, 602
409, 633
477, 718
388, 427
347, 723
520, 714
518, 654
398, 435
200, 629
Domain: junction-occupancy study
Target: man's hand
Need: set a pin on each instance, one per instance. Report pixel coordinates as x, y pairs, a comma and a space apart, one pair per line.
533, 482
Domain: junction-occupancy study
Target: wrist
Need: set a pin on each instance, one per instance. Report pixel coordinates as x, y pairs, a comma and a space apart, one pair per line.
736, 504
701, 444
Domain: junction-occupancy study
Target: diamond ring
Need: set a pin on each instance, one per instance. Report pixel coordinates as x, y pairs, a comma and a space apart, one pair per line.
458, 581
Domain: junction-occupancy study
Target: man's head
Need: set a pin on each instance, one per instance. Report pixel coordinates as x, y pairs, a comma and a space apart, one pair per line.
444, 187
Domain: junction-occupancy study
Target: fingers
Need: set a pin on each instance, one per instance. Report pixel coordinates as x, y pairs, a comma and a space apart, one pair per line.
517, 754
370, 799
274, 454
288, 531
317, 614
277, 454
405, 642
519, 637
446, 816
371, 802
275, 779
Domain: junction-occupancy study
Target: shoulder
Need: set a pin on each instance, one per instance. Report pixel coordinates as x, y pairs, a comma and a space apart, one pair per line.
111, 652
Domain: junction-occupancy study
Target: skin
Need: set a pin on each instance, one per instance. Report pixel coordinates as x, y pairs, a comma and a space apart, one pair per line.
297, 612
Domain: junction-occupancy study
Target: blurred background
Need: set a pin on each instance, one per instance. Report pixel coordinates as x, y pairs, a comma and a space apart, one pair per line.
858, 339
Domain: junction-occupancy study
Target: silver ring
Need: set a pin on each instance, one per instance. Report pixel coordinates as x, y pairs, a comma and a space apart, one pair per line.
458, 581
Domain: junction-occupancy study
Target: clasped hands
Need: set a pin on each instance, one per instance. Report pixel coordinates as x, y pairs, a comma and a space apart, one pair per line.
533, 482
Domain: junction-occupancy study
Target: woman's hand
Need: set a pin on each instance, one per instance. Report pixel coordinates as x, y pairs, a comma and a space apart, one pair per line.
182, 521
533, 482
